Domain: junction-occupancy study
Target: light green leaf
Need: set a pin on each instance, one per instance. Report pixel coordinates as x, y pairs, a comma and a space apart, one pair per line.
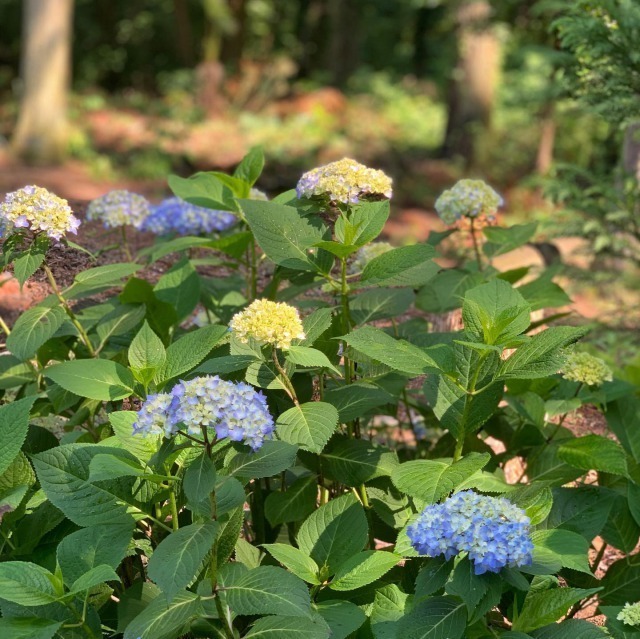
342, 617
568, 548
282, 627
106, 275
199, 479
26, 584
250, 166
380, 303
272, 458
119, 321
33, 328
369, 219
505, 240
141, 445
309, 358
405, 266
28, 628
14, 425
299, 563
146, 353
434, 618
363, 568
180, 287
594, 452
93, 577
308, 425
203, 189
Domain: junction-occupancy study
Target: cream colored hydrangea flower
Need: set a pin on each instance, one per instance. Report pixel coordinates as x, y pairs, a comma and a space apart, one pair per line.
367, 253
270, 322
345, 181
40, 211
586, 369
630, 614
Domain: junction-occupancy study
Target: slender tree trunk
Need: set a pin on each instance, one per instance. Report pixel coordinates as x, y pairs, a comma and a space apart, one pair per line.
631, 150
184, 32
345, 17
42, 128
473, 89
544, 158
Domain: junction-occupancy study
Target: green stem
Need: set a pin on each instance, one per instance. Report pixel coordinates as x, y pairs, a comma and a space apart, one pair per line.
65, 305
173, 504
125, 244
285, 378
457, 453
476, 246
346, 319
225, 618
253, 271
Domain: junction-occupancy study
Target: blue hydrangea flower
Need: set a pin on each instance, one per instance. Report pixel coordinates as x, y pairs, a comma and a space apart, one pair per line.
119, 208
491, 530
174, 215
233, 410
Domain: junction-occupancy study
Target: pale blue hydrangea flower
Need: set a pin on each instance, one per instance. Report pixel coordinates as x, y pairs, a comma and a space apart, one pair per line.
494, 532
174, 215
468, 198
233, 410
119, 208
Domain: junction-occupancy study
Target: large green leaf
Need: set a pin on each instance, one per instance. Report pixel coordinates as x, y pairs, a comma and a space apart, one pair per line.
109, 274
164, 620
343, 617
121, 320
146, 353
251, 166
268, 590
566, 547
622, 582
504, 240
583, 510
199, 479
571, 629
283, 627
446, 290
180, 287
141, 445
356, 400
594, 452
14, 425
294, 504
434, 618
29, 628
363, 568
308, 425
99, 379
380, 303
390, 604
623, 417
203, 189
64, 476
299, 563
334, 532
431, 480
404, 266
272, 458
33, 328
26, 584
309, 358
177, 560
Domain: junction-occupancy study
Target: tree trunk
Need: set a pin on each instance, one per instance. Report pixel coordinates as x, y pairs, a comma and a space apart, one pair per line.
42, 128
184, 32
544, 158
343, 51
631, 150
473, 89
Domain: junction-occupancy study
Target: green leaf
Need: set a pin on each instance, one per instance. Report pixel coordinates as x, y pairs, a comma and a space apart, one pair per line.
14, 425
568, 548
146, 353
363, 568
355, 461
396, 353
308, 425
27, 264
621, 529
92, 578
99, 379
355, 400
142, 446
105, 467
199, 479
594, 452
548, 606
64, 476
272, 458
26, 584
380, 303
87, 548
543, 293
389, 605
283, 234
294, 504
495, 312
542, 355
583, 510
251, 166
431, 480
505, 240
296, 561
180, 287
435, 618
622, 418
334, 532
14, 373
468, 586
316, 324
571, 629
404, 266
446, 290
342, 617
164, 620
176, 562
203, 189
33, 328
621, 583
188, 351
282, 627
29, 628
268, 590
369, 219
109, 274
309, 358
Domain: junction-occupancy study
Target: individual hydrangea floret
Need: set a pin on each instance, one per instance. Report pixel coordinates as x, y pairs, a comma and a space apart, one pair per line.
368, 253
233, 410
468, 198
491, 530
119, 208
345, 181
586, 369
270, 322
38, 210
630, 614
175, 215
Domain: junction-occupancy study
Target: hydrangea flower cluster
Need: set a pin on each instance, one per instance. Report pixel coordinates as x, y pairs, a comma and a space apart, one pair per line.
175, 215
494, 532
630, 614
234, 410
269, 322
257, 194
345, 181
119, 208
586, 369
367, 253
38, 210
468, 199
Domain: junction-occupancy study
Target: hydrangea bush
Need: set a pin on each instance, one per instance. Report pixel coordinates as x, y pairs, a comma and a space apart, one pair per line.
267, 439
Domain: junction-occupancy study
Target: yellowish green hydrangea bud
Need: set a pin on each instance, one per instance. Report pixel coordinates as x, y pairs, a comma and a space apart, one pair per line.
274, 323
345, 181
630, 614
367, 253
468, 198
40, 211
586, 369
